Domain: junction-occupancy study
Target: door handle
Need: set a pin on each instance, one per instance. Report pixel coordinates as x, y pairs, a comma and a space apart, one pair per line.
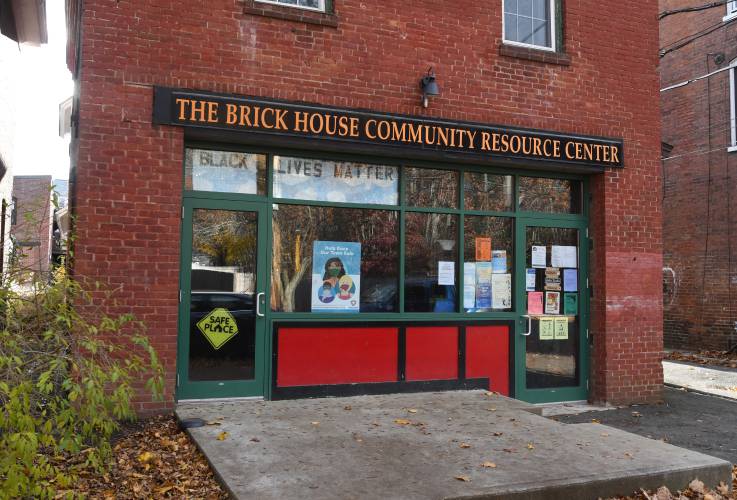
529, 325
258, 305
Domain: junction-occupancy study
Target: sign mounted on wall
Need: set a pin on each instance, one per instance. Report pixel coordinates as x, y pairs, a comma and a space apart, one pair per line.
274, 118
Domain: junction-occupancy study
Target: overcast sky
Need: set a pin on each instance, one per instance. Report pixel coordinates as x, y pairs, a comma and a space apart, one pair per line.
44, 83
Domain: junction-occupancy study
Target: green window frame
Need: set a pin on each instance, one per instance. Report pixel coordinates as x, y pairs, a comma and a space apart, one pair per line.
402, 208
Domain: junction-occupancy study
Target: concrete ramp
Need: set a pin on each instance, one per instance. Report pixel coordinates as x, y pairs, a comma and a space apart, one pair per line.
451, 445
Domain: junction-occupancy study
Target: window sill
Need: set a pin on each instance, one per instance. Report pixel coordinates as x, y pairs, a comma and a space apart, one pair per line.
542, 56
729, 17
732, 149
289, 13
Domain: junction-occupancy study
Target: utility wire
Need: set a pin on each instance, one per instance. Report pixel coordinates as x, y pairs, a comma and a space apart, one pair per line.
679, 44
707, 6
696, 79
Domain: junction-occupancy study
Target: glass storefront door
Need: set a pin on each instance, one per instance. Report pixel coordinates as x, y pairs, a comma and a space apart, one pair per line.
222, 301
551, 343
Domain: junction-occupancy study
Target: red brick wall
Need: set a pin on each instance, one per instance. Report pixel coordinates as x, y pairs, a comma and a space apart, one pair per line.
129, 173
699, 280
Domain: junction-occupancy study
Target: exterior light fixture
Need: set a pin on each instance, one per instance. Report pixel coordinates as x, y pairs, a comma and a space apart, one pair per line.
429, 86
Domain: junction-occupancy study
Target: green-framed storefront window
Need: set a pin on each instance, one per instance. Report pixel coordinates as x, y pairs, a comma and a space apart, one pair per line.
434, 238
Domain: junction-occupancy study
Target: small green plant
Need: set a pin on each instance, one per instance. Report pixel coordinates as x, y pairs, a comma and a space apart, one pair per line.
68, 374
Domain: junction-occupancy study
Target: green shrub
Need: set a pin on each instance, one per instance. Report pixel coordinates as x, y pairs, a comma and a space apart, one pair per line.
67, 375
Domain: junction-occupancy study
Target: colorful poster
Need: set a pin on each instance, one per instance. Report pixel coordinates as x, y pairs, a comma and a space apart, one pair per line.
535, 303
336, 276
530, 280
552, 303
547, 329
501, 291
446, 273
570, 304
483, 249
499, 261
552, 279
561, 328
469, 285
563, 256
570, 280
539, 256
483, 285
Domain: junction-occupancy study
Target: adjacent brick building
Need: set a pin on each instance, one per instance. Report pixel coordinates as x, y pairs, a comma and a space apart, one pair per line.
31, 222
199, 204
699, 129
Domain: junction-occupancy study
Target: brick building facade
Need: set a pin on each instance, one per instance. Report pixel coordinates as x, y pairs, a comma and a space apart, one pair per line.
699, 128
129, 186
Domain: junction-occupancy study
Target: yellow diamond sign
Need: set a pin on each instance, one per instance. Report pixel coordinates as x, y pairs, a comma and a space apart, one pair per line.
218, 326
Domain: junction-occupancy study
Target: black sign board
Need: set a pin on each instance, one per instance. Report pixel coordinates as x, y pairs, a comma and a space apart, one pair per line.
484, 142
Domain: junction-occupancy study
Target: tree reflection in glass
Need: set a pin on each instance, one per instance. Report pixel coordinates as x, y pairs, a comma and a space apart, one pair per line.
429, 239
297, 227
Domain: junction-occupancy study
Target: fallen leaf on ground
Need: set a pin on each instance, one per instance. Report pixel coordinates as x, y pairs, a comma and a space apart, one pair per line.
465, 445
412, 410
146, 457
315, 423
222, 436
491, 409
530, 446
489, 465
347, 407
498, 434
463, 478
214, 422
508, 450
595, 421
402, 421
256, 440
636, 414
604, 434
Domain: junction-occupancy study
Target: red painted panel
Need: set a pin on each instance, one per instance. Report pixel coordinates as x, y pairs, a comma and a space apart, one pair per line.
322, 356
487, 355
432, 353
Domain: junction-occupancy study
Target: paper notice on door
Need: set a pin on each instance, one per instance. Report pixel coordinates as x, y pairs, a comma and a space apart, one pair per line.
547, 329
446, 273
501, 291
539, 256
561, 328
563, 256
483, 249
570, 280
535, 303
552, 303
483, 285
469, 285
530, 280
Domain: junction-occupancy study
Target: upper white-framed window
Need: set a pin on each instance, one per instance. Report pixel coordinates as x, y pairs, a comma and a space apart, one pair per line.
733, 105
316, 5
731, 10
529, 23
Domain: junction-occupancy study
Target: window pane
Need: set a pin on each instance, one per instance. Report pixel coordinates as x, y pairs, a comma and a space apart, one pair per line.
525, 8
487, 271
510, 27
489, 192
510, 6
296, 228
224, 171
540, 37
341, 182
558, 196
222, 334
431, 250
553, 302
524, 27
540, 9
431, 188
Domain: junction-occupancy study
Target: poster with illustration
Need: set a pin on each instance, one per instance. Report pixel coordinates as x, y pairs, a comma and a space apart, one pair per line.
336, 276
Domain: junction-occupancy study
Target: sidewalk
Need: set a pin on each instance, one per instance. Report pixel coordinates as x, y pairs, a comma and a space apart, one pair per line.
709, 380
447, 445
